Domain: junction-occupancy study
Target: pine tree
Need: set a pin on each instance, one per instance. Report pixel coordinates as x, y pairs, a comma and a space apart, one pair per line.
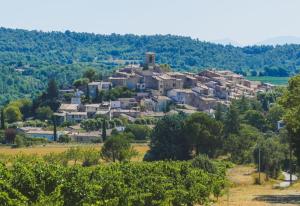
104, 130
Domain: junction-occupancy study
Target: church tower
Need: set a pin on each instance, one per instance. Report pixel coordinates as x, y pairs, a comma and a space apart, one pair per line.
150, 60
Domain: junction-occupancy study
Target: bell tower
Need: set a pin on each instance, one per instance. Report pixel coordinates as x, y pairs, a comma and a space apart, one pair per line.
150, 59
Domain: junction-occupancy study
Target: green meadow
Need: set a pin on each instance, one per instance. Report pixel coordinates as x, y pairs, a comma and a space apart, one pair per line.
271, 80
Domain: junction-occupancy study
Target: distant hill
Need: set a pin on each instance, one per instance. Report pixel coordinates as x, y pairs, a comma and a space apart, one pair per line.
29, 58
281, 40
227, 41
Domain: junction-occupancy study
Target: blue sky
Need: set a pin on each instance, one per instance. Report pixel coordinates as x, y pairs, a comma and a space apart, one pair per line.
244, 21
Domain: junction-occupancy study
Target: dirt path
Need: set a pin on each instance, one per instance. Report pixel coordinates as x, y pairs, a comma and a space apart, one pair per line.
245, 193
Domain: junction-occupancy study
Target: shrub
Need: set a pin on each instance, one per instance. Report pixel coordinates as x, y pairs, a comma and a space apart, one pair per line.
204, 163
64, 138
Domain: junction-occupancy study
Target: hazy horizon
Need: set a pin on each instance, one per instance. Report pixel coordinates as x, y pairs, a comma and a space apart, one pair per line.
240, 22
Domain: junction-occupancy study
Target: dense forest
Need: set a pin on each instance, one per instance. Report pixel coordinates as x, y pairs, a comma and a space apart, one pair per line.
29, 58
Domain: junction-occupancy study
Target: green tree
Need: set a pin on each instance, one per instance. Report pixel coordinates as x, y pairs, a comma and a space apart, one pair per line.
220, 112
12, 114
99, 95
2, 119
54, 128
241, 145
140, 132
274, 115
51, 97
118, 148
203, 162
83, 82
44, 113
74, 154
291, 103
88, 95
91, 156
232, 120
242, 104
168, 141
25, 107
203, 133
19, 140
272, 155
256, 119
64, 138
103, 134
90, 74
52, 90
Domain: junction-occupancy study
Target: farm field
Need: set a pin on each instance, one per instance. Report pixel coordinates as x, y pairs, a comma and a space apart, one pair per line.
58, 148
272, 80
245, 193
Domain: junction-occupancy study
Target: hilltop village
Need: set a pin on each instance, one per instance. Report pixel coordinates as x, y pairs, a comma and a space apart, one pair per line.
158, 91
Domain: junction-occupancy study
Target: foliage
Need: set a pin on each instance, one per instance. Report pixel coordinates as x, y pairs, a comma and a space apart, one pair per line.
2, 120
44, 113
91, 157
256, 119
269, 97
204, 163
32, 181
118, 148
220, 112
232, 120
291, 103
96, 124
241, 145
277, 80
103, 133
168, 141
274, 115
19, 140
273, 154
115, 93
90, 74
204, 134
28, 59
13, 114
140, 132
64, 139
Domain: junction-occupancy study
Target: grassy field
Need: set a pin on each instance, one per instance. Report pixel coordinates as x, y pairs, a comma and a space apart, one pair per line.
271, 80
244, 192
58, 148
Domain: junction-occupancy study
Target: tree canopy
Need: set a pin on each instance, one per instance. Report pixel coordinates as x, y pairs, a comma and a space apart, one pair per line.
28, 59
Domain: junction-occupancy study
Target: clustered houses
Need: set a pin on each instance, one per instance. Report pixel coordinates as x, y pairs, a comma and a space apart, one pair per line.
158, 91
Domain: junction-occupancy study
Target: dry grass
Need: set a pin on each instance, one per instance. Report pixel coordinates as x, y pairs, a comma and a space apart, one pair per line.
59, 148
245, 193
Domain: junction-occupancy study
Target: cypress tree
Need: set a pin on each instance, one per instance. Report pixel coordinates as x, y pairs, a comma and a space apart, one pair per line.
104, 130
232, 121
54, 129
2, 119
52, 90
87, 93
